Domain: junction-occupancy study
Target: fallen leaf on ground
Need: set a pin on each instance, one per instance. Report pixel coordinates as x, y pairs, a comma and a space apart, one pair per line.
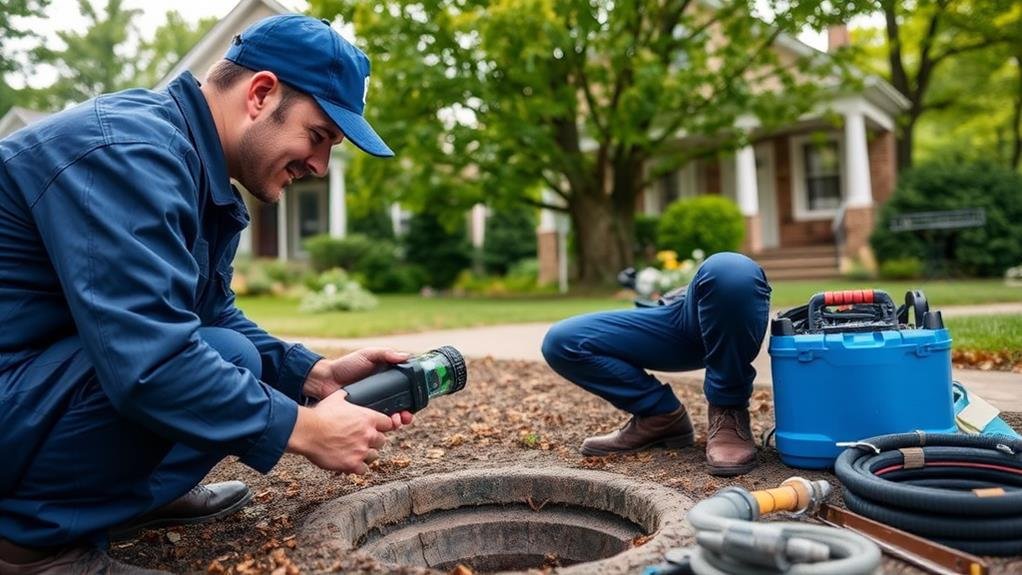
641, 540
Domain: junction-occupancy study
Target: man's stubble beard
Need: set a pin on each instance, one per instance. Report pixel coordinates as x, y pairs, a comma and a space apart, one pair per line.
252, 152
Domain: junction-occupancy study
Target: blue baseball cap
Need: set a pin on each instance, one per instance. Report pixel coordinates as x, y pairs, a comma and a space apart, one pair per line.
310, 56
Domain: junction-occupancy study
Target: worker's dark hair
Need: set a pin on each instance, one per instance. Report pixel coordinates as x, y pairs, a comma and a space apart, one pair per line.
225, 74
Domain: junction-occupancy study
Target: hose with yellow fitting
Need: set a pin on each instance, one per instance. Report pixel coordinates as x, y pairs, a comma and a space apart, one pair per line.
730, 541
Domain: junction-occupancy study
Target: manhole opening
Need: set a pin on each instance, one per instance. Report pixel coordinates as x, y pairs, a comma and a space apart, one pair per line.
493, 538
511, 519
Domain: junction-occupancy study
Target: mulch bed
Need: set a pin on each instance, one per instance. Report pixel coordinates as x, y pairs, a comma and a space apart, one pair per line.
511, 413
987, 360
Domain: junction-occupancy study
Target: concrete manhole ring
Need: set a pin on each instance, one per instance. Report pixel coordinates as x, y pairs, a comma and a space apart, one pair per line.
506, 519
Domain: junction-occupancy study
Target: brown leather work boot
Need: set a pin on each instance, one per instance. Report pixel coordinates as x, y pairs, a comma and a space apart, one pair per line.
730, 449
16, 560
672, 430
203, 503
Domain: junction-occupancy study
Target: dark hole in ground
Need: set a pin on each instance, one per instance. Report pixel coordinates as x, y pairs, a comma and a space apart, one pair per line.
505, 519
491, 538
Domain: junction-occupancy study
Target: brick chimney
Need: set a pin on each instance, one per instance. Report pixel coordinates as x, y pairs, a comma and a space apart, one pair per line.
837, 36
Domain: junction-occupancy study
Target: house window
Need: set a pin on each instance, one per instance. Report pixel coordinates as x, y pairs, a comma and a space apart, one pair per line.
308, 214
670, 187
823, 176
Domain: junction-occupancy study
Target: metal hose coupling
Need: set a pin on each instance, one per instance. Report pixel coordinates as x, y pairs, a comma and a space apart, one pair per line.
729, 540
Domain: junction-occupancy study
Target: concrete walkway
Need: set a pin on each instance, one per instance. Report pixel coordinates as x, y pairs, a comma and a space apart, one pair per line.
522, 341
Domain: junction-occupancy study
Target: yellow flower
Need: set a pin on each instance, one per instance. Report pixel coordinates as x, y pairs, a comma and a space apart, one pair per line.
667, 255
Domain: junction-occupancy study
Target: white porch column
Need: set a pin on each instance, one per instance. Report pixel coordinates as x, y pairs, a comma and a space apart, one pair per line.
478, 225
397, 219
245, 247
283, 230
746, 190
860, 189
747, 195
338, 211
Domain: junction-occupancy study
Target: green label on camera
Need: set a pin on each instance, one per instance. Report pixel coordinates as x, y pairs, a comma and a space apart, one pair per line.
438, 378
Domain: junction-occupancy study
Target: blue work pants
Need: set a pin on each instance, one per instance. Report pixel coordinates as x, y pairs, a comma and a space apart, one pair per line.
95, 469
718, 325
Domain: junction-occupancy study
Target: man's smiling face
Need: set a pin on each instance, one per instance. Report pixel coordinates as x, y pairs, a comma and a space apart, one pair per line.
285, 145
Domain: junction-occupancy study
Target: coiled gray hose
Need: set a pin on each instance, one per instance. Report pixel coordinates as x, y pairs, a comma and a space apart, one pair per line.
730, 541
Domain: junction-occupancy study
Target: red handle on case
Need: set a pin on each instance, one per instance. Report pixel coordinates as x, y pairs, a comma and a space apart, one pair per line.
848, 297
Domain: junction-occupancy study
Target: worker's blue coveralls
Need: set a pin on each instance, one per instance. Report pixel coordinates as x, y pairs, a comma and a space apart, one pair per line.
718, 324
126, 371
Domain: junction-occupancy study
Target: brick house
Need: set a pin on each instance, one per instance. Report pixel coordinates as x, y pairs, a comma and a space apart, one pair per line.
808, 192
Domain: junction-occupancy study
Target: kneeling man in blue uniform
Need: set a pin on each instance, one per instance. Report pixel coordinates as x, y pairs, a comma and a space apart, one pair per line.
717, 323
126, 371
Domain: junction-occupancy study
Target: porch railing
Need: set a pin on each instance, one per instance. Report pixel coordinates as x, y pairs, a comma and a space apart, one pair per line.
838, 228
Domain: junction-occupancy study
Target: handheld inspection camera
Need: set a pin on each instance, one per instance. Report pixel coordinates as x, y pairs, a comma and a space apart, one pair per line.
408, 386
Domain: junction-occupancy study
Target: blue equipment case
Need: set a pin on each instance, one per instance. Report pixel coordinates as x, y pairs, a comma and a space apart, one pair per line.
857, 371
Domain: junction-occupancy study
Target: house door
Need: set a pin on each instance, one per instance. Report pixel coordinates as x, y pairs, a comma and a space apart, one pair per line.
765, 184
265, 224
308, 211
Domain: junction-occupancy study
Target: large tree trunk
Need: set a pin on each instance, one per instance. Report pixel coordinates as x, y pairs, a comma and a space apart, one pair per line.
604, 223
906, 142
602, 239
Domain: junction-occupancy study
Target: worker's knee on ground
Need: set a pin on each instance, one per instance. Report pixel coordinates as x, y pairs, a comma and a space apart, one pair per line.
732, 275
234, 348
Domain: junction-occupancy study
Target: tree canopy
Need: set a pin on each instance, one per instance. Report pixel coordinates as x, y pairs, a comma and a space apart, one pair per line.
494, 100
957, 62
110, 55
13, 29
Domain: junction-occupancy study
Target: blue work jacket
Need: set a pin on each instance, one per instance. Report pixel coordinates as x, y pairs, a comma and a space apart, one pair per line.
118, 226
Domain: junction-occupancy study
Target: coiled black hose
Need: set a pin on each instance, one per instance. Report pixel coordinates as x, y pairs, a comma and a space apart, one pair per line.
959, 490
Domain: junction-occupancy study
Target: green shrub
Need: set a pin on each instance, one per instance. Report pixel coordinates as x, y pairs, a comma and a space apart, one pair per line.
985, 251
901, 269
373, 222
521, 279
710, 223
264, 276
286, 273
510, 237
337, 292
403, 278
440, 251
858, 273
646, 236
350, 253
375, 263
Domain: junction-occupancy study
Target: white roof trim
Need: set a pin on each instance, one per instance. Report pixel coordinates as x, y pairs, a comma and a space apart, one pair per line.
17, 118
218, 36
885, 93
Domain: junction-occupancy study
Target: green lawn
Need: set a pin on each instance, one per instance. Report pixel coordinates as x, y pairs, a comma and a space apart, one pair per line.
987, 333
938, 293
406, 313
